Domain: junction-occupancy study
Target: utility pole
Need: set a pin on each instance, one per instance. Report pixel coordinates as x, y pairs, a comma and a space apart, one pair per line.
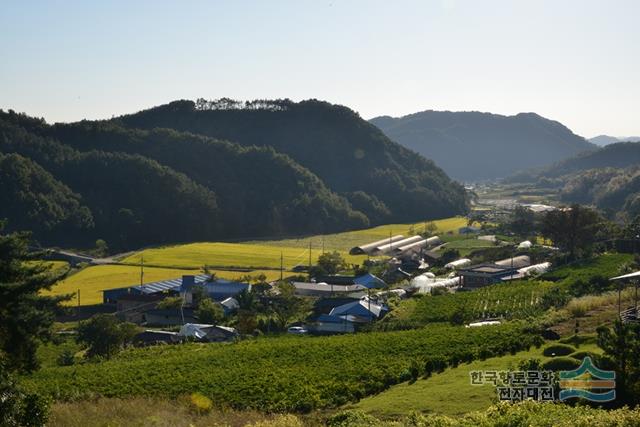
78, 304
141, 271
309, 260
281, 265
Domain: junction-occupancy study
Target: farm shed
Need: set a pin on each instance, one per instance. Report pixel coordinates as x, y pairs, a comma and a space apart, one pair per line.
528, 271
539, 208
370, 248
525, 245
229, 305
169, 317
110, 296
328, 324
459, 263
325, 305
485, 274
360, 311
369, 281
322, 289
221, 289
515, 262
468, 230
390, 247
151, 337
208, 333
131, 307
424, 284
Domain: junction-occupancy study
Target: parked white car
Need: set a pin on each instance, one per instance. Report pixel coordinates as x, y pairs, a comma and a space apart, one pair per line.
297, 330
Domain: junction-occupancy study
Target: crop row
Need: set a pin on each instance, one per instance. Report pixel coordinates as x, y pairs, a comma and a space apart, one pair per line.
510, 300
281, 374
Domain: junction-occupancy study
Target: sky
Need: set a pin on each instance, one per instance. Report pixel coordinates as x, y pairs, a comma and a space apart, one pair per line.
574, 61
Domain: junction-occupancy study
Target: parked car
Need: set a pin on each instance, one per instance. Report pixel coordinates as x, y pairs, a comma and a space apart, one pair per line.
297, 330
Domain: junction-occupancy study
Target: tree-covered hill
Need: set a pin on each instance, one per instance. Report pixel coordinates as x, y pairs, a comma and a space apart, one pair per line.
475, 146
34, 199
619, 155
348, 154
608, 178
140, 184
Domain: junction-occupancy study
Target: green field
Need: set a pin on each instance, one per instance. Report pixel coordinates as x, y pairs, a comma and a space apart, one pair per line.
449, 393
467, 245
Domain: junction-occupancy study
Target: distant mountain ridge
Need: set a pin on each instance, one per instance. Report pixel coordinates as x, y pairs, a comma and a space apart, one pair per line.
473, 146
602, 140
619, 155
608, 178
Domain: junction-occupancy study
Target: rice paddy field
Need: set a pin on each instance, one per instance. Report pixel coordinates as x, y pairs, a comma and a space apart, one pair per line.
92, 281
266, 254
229, 260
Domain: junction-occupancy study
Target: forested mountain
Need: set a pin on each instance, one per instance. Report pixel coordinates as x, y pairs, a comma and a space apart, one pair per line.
619, 155
608, 178
348, 154
135, 181
475, 146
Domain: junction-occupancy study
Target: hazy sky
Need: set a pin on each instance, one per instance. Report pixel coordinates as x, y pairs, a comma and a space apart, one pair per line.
577, 62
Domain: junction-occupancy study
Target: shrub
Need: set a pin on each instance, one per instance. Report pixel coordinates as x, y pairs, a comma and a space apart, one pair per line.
209, 312
66, 358
579, 355
201, 403
561, 364
352, 419
104, 335
558, 350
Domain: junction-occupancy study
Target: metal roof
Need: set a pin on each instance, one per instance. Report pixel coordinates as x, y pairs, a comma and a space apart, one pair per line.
635, 275
166, 285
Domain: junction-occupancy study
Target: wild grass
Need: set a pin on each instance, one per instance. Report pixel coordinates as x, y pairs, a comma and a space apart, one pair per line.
450, 392
579, 307
156, 412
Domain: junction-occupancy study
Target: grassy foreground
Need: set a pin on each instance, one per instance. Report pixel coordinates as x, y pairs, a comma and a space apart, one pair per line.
450, 392
180, 413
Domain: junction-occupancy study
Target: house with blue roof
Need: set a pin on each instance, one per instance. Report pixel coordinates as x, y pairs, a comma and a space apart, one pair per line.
362, 311
369, 281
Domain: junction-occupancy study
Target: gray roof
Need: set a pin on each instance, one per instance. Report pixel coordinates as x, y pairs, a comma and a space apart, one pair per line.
166, 285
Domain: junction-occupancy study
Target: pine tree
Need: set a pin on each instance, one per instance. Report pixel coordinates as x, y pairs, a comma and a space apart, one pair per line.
26, 316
